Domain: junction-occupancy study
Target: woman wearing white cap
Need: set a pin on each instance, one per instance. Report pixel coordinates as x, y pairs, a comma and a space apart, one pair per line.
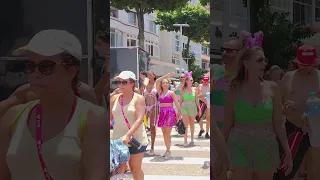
127, 110
53, 137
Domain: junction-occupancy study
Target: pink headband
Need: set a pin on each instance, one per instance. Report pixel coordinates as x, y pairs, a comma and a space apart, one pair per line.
188, 73
252, 41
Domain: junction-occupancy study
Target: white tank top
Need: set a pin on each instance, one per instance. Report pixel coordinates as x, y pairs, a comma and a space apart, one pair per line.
61, 154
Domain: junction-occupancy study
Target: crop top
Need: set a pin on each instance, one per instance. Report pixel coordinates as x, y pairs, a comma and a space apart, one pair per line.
189, 97
246, 113
166, 99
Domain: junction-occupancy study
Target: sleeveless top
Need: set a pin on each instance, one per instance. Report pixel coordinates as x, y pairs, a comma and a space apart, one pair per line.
166, 99
120, 127
178, 91
219, 89
61, 154
246, 113
189, 97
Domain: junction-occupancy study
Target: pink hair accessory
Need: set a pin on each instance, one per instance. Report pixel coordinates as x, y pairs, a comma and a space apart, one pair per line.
188, 73
252, 41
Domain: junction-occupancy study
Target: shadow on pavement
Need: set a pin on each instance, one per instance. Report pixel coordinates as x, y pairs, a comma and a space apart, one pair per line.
162, 159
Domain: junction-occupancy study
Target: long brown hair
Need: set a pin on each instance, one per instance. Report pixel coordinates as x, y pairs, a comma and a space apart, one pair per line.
185, 81
243, 55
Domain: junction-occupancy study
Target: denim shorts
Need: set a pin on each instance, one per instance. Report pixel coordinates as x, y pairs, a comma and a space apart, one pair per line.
134, 150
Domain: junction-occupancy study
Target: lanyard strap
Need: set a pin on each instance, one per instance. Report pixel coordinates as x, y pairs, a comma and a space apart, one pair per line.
39, 136
124, 116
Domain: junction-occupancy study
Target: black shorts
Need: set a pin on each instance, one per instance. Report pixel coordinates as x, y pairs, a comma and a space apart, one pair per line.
302, 149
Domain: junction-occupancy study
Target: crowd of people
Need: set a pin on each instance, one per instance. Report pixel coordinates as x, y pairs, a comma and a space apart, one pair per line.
162, 104
260, 129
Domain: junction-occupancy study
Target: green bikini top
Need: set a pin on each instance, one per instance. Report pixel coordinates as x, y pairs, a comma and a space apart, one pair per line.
246, 113
189, 97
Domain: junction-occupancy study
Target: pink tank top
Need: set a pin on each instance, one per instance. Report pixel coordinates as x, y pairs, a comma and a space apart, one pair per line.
166, 99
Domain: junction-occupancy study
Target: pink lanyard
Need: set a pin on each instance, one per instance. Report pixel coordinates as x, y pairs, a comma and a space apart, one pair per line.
121, 104
39, 137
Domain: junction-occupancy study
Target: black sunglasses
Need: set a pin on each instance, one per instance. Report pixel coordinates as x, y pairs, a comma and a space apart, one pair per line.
228, 50
122, 82
45, 67
182, 77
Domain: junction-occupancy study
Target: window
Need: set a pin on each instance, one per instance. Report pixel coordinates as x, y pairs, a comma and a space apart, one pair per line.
116, 38
280, 4
132, 18
131, 42
152, 49
205, 50
204, 65
150, 25
302, 12
114, 12
175, 43
317, 11
175, 59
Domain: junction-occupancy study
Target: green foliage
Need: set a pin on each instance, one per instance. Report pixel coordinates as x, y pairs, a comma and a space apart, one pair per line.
204, 2
281, 37
197, 72
196, 16
148, 6
142, 7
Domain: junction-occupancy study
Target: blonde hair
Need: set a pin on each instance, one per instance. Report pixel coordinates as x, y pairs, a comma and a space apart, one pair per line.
244, 54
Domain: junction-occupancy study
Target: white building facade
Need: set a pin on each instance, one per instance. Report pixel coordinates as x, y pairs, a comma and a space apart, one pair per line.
164, 47
304, 12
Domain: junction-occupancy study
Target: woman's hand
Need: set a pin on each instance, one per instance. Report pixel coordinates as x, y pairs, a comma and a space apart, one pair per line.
217, 167
170, 75
229, 174
289, 107
125, 139
288, 163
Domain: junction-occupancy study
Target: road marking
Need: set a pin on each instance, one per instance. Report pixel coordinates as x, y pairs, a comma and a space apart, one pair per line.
182, 160
178, 148
174, 139
155, 177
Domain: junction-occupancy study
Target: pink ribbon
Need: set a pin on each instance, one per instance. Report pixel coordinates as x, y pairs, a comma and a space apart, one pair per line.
252, 41
188, 73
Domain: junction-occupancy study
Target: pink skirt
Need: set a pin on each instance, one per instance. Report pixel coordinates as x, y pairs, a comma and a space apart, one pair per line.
167, 117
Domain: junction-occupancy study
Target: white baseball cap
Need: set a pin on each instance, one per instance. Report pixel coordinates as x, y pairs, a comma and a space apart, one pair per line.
52, 42
126, 75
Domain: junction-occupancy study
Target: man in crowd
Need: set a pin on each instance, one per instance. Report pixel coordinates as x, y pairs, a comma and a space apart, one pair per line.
219, 88
296, 86
203, 88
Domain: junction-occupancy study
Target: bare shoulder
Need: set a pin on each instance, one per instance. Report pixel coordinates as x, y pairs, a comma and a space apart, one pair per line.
288, 75
140, 97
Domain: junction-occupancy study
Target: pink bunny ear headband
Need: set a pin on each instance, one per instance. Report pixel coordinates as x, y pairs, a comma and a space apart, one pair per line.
188, 73
252, 41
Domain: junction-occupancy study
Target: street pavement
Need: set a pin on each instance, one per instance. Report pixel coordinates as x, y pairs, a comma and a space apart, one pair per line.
191, 162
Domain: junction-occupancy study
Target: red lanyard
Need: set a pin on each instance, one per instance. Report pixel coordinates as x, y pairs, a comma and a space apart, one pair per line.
121, 104
39, 136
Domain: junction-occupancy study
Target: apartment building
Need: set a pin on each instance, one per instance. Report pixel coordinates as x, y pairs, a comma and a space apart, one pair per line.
164, 47
305, 12
229, 16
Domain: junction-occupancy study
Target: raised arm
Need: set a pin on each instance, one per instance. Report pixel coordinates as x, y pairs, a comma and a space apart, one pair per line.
159, 80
